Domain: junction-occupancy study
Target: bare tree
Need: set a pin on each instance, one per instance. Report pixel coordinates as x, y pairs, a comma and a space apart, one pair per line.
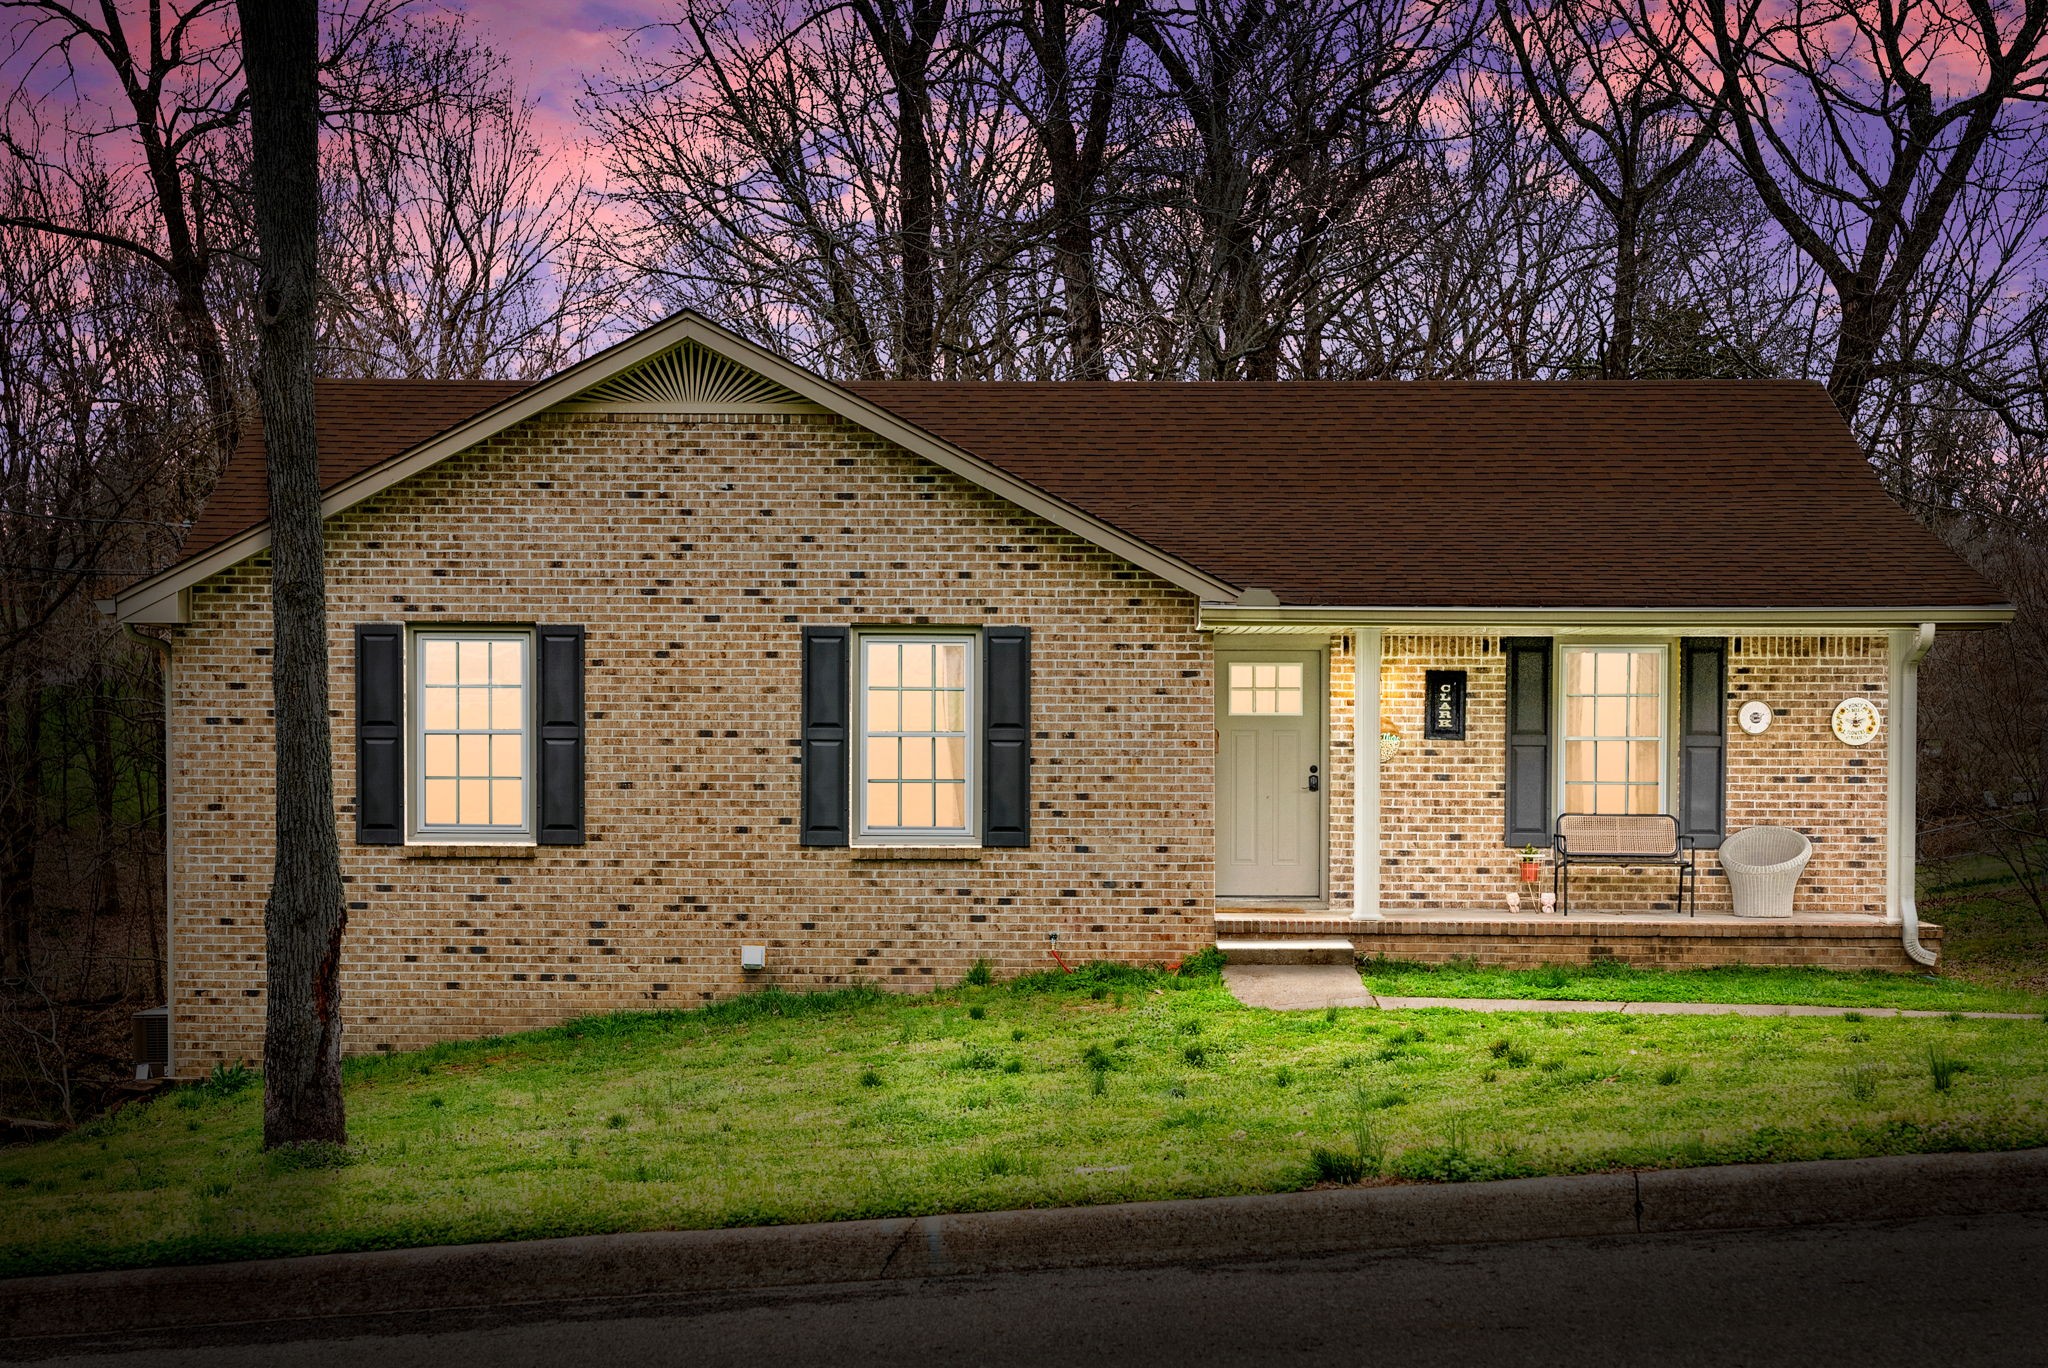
180, 97
453, 248
1618, 120
1864, 128
305, 916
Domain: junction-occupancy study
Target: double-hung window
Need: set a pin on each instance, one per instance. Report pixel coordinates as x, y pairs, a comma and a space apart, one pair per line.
917, 718
472, 734
1614, 729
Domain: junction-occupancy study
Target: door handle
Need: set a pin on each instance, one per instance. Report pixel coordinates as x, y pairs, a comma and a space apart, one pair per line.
1315, 778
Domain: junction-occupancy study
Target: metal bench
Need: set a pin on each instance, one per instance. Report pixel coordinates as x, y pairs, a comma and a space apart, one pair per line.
1647, 839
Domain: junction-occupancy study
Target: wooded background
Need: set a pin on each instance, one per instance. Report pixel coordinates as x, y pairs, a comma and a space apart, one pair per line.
1023, 189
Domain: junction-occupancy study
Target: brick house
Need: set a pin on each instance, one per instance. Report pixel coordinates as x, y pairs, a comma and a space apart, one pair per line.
685, 656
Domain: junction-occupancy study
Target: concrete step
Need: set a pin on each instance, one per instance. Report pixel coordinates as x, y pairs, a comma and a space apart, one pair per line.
1286, 950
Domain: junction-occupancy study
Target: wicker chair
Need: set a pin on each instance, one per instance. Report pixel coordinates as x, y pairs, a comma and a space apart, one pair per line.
1584, 838
1763, 865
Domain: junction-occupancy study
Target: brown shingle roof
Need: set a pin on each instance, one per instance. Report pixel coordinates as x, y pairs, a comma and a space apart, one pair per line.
1682, 494
358, 424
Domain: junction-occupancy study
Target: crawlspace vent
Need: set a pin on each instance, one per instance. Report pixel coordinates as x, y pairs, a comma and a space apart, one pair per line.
689, 378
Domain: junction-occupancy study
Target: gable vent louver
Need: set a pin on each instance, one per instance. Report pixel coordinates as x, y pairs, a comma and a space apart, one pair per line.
689, 379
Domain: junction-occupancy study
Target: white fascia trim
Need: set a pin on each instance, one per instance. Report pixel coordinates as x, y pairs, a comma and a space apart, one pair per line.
684, 327
1693, 621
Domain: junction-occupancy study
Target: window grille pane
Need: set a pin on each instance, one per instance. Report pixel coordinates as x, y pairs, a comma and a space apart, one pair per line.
917, 665
1578, 761
473, 801
441, 802
507, 709
917, 805
882, 806
473, 756
506, 761
473, 708
438, 662
474, 659
437, 756
952, 805
440, 710
506, 667
882, 757
883, 715
884, 657
917, 711
952, 757
507, 805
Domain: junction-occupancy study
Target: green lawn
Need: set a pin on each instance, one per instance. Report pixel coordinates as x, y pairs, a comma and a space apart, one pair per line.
1107, 1086
1611, 982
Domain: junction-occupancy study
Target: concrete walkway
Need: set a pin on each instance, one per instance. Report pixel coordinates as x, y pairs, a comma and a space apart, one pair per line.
1313, 987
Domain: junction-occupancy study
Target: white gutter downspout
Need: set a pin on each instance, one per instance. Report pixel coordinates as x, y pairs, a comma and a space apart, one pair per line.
1907, 651
163, 650
1365, 773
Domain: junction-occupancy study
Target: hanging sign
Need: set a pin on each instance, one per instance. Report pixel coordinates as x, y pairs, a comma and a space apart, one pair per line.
1443, 713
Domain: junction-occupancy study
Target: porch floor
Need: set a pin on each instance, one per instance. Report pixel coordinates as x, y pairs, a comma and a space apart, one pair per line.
1647, 939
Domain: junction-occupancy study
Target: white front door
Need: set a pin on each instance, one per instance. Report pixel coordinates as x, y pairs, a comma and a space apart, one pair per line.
1270, 780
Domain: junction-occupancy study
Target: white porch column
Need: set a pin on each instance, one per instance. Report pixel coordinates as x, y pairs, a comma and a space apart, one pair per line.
1365, 774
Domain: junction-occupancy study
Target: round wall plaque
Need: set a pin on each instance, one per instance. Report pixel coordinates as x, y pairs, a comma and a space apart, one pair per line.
1754, 717
1856, 721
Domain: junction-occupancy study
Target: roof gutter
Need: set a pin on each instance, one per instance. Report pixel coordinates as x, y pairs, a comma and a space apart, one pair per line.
1224, 616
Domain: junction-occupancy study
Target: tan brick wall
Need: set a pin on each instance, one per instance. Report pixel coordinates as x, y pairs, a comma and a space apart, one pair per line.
694, 552
1442, 839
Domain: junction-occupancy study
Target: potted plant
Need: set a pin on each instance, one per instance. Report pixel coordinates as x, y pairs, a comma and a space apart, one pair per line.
1531, 869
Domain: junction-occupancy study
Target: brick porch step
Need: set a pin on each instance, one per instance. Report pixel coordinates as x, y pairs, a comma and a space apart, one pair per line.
1287, 950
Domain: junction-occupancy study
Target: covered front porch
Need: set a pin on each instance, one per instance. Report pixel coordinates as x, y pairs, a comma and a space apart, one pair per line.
1356, 809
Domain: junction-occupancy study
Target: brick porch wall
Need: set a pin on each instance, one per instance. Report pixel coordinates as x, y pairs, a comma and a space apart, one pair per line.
1442, 839
694, 551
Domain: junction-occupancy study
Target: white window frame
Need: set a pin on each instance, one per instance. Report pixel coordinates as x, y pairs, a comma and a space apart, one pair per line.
418, 830
863, 834
1667, 699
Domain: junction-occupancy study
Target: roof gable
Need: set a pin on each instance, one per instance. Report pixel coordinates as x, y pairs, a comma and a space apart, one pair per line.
685, 363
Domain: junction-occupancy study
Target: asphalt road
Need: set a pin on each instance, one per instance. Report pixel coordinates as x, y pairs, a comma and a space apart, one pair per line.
1914, 1294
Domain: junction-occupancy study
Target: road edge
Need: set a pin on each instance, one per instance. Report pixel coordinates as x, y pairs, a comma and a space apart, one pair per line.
1134, 1234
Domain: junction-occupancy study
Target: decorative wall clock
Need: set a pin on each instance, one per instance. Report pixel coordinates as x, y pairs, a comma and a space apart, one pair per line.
1856, 721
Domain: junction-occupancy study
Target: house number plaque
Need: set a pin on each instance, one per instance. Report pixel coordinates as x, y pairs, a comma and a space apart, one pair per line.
1444, 705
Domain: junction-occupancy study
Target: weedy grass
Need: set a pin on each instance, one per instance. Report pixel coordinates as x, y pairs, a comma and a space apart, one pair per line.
1110, 1084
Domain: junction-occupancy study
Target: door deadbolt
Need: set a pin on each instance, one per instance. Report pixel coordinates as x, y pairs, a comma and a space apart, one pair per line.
1315, 778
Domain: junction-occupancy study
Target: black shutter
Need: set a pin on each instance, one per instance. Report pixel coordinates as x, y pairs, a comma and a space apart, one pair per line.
1006, 737
380, 734
827, 681
559, 742
1703, 740
1528, 726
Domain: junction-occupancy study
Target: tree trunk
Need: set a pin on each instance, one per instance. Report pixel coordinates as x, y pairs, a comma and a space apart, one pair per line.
1619, 363
21, 810
305, 916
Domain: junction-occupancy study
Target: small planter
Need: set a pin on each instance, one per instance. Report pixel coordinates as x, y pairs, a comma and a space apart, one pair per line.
1531, 871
